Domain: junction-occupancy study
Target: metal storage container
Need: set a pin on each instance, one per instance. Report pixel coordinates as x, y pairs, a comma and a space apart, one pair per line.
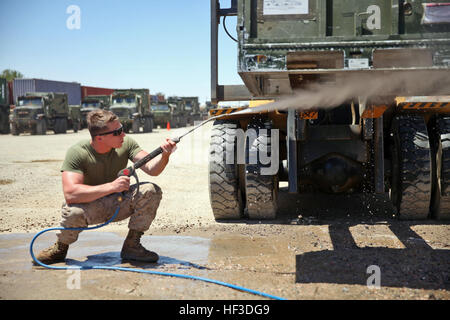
95, 91
22, 86
10, 93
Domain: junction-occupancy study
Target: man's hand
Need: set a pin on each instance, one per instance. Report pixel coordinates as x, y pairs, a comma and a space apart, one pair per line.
168, 147
121, 184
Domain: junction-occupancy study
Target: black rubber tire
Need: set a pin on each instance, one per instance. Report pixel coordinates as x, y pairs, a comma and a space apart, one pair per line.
41, 127
148, 126
411, 167
60, 125
224, 192
261, 190
14, 129
440, 205
136, 125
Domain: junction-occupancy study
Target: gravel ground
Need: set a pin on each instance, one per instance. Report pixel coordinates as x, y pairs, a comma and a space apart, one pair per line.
318, 248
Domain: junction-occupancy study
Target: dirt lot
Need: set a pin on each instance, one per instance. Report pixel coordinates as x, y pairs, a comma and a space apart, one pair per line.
318, 248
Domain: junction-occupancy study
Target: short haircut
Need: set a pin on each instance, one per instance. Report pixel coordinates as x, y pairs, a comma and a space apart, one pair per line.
98, 120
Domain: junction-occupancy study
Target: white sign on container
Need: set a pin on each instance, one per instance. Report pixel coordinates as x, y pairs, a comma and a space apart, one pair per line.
282, 7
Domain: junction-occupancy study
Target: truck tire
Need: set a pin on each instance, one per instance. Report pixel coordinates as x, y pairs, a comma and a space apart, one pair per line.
4, 120
14, 129
411, 167
440, 204
261, 189
76, 125
41, 127
224, 192
148, 124
60, 125
135, 126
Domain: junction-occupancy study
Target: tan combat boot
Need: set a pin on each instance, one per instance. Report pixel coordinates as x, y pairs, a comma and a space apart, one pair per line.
54, 254
132, 249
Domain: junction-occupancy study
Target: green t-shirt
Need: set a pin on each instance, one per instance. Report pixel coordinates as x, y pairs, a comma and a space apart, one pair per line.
99, 168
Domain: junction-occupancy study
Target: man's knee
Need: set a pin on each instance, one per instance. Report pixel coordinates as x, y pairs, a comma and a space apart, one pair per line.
148, 198
151, 190
72, 217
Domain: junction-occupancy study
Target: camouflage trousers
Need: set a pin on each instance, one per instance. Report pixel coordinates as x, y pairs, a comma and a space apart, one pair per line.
139, 207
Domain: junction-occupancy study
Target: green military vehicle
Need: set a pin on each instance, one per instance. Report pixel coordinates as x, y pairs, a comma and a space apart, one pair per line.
132, 106
168, 112
191, 109
4, 106
162, 113
74, 120
93, 102
361, 104
38, 111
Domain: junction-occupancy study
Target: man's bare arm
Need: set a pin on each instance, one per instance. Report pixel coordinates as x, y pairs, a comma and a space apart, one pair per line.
155, 166
75, 191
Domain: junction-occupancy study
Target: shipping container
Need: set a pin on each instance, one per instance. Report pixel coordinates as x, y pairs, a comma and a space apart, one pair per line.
10, 93
95, 91
72, 89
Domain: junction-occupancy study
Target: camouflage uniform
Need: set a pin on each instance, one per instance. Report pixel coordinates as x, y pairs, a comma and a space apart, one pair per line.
141, 208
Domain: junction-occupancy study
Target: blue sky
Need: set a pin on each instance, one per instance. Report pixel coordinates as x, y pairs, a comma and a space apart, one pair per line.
155, 44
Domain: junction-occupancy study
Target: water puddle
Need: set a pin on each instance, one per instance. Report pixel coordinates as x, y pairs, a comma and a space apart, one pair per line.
103, 248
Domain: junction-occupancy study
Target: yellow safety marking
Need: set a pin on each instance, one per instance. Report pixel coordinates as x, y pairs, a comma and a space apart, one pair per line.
425, 105
373, 112
308, 115
218, 112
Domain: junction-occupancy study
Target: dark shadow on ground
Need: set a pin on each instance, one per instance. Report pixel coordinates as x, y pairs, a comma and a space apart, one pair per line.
416, 266
111, 259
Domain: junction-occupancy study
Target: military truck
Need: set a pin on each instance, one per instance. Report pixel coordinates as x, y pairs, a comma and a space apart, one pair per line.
38, 111
4, 106
168, 111
74, 120
132, 106
93, 102
191, 109
180, 114
361, 105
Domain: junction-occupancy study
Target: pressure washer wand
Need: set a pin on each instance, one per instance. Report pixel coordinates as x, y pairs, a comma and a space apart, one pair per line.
131, 171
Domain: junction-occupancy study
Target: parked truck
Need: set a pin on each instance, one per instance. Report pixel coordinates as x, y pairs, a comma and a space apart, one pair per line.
361, 104
167, 112
93, 102
37, 112
4, 106
74, 120
132, 106
191, 109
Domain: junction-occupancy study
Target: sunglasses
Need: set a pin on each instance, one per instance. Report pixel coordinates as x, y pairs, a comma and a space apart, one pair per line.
116, 132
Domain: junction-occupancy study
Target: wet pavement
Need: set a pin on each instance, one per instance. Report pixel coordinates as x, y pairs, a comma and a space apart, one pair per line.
103, 249
301, 259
